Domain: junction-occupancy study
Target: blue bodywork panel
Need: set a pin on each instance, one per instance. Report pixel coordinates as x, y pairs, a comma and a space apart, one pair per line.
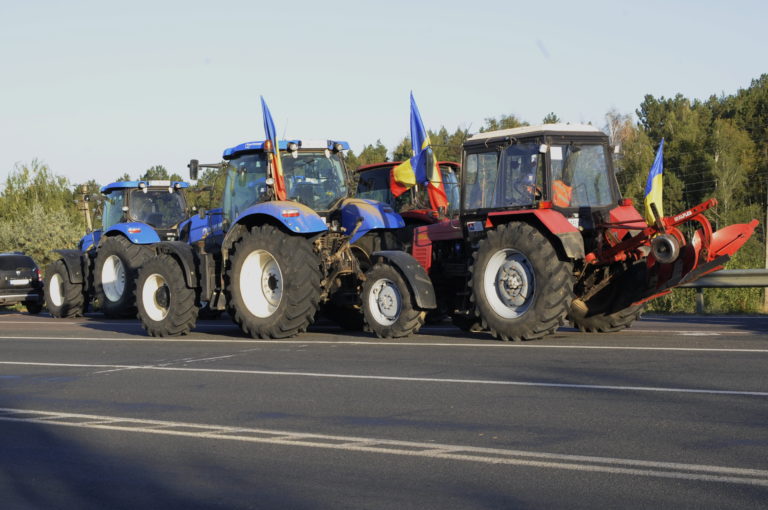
90, 240
137, 233
295, 216
135, 184
376, 215
283, 145
200, 228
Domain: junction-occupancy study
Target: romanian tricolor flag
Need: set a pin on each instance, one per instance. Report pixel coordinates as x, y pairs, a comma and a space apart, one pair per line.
422, 167
653, 187
274, 149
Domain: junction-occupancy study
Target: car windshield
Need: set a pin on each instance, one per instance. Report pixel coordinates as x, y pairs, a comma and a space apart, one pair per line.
314, 178
509, 178
14, 262
159, 208
580, 176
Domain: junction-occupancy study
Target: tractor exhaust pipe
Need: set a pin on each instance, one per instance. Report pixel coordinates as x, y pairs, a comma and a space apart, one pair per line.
665, 248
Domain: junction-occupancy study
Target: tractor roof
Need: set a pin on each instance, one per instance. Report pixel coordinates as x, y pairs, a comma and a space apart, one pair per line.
531, 131
143, 184
389, 164
283, 145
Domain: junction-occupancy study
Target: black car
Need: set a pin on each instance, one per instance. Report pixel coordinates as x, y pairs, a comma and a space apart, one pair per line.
20, 281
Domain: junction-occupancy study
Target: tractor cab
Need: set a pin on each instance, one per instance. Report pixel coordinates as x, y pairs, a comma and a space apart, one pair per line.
560, 166
414, 205
158, 204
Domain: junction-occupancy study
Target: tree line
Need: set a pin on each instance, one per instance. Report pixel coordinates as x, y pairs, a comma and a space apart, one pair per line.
715, 147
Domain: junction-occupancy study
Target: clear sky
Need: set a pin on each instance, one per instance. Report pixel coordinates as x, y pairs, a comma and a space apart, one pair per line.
99, 88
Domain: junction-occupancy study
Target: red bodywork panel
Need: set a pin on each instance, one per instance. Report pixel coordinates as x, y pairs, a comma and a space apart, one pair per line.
554, 221
424, 236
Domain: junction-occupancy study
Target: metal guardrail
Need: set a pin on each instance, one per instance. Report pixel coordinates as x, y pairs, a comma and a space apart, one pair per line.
730, 278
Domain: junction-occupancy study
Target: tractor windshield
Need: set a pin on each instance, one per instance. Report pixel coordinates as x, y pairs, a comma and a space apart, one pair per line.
159, 208
314, 178
580, 176
507, 178
246, 183
113, 208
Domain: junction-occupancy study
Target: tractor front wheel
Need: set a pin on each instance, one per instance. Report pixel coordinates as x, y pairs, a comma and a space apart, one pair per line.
63, 298
520, 289
388, 304
272, 283
166, 305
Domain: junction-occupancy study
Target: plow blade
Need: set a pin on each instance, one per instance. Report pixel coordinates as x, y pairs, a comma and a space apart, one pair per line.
728, 240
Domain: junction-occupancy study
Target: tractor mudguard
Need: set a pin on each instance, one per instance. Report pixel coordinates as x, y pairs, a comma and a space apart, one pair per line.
415, 275
294, 216
135, 232
375, 215
186, 256
74, 262
200, 228
90, 240
552, 221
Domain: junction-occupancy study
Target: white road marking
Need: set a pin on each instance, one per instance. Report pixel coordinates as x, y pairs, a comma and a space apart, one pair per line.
278, 373
482, 343
584, 463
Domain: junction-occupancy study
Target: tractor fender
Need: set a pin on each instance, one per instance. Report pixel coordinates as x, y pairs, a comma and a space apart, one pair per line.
90, 240
136, 232
375, 216
415, 275
185, 255
551, 223
74, 261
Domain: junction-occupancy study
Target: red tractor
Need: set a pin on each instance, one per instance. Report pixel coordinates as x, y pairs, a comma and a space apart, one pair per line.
544, 235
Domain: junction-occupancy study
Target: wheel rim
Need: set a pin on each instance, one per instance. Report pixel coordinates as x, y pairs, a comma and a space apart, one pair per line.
113, 278
261, 283
385, 301
509, 283
155, 297
55, 292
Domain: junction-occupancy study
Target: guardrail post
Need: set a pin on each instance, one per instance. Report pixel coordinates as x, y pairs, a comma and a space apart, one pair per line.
700, 300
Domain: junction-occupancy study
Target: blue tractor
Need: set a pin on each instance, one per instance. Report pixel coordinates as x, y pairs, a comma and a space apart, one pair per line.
272, 263
136, 214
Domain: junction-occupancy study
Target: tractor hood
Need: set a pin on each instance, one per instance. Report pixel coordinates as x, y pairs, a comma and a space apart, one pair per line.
374, 215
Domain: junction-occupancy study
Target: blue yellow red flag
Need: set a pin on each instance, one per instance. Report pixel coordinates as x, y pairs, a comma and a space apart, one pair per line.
421, 168
653, 186
277, 167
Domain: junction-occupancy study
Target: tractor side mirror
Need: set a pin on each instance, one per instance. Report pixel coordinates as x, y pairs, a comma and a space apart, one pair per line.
193, 168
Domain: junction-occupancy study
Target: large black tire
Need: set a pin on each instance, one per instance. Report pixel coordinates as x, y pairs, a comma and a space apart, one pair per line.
388, 304
603, 322
114, 287
166, 306
277, 293
63, 298
520, 289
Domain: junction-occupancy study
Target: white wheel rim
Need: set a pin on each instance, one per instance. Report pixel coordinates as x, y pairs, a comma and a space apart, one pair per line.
261, 283
509, 283
55, 292
154, 303
385, 302
113, 278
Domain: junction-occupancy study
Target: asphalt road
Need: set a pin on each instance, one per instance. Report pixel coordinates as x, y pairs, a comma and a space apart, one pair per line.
670, 414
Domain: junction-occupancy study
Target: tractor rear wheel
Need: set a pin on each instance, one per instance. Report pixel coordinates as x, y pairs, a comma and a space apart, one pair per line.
63, 298
602, 322
388, 303
166, 305
520, 289
114, 280
272, 283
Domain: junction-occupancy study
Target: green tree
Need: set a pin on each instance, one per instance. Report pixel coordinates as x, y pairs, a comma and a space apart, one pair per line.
156, 173
124, 178
373, 154
551, 118
403, 150
503, 122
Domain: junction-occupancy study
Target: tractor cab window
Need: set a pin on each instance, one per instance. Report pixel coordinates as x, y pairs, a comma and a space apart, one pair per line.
580, 176
451, 185
507, 178
314, 178
246, 183
159, 208
113, 208
374, 185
